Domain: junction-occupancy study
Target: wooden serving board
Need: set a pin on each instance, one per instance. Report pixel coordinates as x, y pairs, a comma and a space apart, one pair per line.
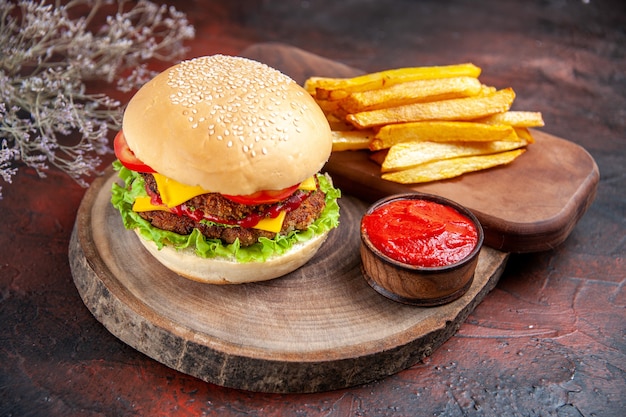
529, 205
322, 327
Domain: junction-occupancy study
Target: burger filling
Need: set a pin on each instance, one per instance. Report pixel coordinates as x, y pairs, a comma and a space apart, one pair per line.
215, 225
218, 217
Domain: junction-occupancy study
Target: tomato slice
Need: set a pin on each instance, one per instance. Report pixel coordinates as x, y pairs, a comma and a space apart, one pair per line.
263, 197
126, 155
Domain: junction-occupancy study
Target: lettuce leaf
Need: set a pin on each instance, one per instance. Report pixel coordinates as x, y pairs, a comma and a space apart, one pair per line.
123, 197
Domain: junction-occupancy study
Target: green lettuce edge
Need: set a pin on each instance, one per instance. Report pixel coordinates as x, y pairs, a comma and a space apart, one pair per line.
123, 197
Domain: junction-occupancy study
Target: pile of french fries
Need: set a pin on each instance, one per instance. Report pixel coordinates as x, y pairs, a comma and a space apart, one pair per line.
425, 124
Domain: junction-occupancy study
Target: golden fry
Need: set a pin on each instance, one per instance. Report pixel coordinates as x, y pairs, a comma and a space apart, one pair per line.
425, 124
338, 125
408, 155
451, 168
440, 131
515, 118
338, 88
327, 106
524, 133
455, 109
486, 90
411, 92
351, 140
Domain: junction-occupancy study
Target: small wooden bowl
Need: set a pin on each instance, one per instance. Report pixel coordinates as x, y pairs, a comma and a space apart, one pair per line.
419, 285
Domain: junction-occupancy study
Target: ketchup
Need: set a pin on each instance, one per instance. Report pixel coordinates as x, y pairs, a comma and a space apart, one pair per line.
420, 232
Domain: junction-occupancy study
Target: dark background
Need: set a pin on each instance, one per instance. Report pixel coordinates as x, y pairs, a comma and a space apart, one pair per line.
550, 340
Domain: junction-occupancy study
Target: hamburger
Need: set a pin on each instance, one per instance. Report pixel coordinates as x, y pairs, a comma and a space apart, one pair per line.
219, 159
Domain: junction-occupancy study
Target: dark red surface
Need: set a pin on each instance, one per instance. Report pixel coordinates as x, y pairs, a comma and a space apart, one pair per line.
549, 340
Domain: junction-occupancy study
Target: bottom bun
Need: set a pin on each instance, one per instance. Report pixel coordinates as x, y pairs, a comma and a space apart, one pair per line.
223, 271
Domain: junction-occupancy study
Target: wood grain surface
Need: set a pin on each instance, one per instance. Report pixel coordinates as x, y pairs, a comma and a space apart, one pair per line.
529, 205
319, 328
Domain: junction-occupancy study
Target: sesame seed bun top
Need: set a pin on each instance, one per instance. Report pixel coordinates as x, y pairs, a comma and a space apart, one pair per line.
228, 124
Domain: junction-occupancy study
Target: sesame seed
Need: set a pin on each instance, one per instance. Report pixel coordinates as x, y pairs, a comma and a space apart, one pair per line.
202, 87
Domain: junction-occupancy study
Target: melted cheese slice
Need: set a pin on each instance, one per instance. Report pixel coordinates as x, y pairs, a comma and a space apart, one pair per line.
173, 193
272, 225
308, 185
144, 204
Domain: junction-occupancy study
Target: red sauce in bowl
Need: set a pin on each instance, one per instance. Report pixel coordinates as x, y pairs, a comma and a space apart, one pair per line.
420, 232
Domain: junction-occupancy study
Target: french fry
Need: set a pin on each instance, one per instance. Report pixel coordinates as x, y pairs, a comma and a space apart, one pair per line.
486, 90
524, 133
411, 92
351, 140
411, 154
337, 88
451, 168
515, 118
329, 107
338, 125
424, 124
333, 111
440, 131
454, 109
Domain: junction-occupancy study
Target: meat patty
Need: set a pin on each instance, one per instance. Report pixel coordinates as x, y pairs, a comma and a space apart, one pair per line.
217, 205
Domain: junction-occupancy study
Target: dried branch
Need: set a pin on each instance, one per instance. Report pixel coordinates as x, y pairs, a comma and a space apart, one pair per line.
47, 54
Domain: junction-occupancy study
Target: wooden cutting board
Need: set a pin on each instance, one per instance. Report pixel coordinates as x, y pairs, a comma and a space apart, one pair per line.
530, 205
322, 327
